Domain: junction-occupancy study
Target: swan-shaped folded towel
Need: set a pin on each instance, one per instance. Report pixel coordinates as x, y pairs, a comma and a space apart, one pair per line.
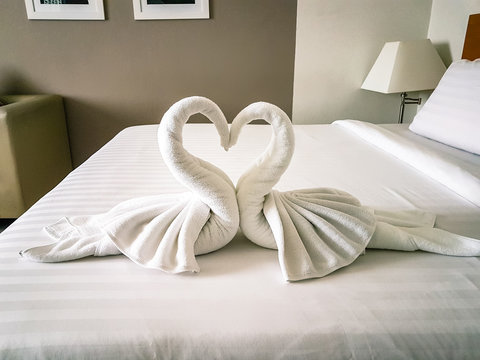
164, 231
317, 231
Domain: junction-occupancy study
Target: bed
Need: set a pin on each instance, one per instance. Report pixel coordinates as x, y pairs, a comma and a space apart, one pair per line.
387, 304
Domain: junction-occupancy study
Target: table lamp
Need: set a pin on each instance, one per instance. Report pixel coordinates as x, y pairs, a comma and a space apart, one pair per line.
405, 66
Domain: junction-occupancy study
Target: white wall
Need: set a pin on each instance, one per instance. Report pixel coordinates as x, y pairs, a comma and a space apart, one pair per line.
337, 42
448, 24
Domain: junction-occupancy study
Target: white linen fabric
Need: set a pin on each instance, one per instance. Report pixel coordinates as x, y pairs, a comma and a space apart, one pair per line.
451, 114
161, 232
454, 175
386, 304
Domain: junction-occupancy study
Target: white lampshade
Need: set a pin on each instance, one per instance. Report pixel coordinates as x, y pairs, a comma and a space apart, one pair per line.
405, 66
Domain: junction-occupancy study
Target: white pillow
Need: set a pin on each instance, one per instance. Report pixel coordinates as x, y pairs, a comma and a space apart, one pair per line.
452, 113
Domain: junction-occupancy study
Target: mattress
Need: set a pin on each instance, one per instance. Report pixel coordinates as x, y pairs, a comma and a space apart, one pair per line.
386, 304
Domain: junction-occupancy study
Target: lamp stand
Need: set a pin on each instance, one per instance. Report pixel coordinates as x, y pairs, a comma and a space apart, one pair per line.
406, 100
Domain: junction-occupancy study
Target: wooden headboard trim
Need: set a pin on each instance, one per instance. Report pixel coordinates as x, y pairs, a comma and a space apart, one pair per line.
471, 46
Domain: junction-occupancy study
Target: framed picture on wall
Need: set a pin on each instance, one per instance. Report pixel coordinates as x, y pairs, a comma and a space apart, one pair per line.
65, 9
170, 9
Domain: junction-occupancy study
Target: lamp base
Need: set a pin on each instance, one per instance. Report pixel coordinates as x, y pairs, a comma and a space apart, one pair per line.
406, 100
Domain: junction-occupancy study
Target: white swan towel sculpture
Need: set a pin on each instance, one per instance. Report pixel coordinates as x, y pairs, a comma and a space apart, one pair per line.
162, 232
317, 231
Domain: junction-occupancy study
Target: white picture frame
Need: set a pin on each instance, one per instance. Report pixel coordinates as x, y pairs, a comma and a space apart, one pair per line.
142, 10
63, 10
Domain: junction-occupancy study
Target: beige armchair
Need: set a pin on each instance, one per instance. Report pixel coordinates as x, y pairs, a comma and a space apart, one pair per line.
34, 150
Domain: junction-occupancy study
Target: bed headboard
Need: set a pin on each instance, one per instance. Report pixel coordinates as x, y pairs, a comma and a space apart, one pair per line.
471, 46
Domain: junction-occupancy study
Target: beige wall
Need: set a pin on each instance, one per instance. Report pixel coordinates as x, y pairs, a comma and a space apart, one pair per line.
337, 43
121, 72
448, 24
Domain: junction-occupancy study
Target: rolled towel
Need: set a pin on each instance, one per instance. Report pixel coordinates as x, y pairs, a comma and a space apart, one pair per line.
317, 231
165, 231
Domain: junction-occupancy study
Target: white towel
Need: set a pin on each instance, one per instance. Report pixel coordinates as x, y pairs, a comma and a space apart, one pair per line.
317, 231
162, 232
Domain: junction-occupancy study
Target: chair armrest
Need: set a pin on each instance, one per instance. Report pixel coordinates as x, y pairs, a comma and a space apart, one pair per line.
34, 150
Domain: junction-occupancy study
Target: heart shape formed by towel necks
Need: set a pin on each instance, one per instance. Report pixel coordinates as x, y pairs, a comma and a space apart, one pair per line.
315, 230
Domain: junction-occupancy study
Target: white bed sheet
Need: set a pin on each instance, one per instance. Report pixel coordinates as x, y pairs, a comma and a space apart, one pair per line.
385, 305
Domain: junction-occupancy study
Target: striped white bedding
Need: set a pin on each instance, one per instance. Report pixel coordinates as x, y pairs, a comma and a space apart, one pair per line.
385, 305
